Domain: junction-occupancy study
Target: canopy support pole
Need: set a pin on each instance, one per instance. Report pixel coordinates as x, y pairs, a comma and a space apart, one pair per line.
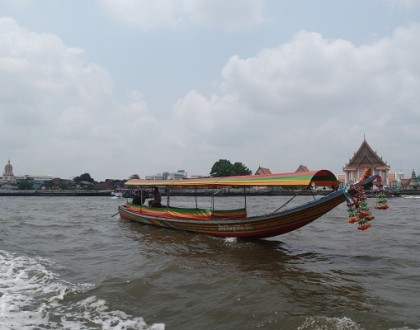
195, 194
300, 192
312, 191
212, 199
141, 198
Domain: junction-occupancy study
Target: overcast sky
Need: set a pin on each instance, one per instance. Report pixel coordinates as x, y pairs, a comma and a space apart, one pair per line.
116, 88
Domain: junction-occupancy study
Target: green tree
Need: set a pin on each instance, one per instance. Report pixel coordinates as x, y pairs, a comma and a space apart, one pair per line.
84, 177
48, 184
63, 186
240, 169
26, 185
224, 167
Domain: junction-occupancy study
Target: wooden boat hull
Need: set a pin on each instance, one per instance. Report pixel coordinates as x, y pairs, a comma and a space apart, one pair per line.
269, 225
252, 227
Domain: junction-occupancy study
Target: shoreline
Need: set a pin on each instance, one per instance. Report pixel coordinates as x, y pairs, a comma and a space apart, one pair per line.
108, 193
53, 193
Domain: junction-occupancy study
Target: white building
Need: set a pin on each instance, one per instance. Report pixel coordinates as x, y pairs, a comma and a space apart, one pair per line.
8, 176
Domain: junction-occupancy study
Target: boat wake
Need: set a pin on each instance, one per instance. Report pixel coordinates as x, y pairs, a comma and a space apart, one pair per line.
32, 296
323, 322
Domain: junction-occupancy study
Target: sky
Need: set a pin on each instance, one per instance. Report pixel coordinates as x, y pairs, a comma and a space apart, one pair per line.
116, 88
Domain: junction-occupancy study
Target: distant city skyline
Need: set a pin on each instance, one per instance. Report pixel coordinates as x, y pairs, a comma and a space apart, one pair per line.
401, 173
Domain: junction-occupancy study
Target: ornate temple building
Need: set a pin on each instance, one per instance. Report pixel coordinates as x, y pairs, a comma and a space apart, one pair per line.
364, 158
8, 176
262, 170
413, 182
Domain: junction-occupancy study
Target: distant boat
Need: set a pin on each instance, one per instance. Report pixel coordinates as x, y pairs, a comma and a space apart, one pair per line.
411, 196
120, 193
117, 193
235, 222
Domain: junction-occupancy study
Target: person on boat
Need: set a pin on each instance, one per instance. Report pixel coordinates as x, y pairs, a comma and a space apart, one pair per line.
155, 202
137, 198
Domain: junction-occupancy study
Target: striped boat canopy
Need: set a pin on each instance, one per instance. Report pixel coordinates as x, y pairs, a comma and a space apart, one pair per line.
318, 178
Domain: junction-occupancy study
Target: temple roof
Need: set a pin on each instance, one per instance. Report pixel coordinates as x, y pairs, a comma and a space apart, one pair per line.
366, 156
262, 170
302, 168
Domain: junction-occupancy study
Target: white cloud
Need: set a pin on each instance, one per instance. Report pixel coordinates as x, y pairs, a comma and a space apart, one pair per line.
59, 110
307, 101
311, 100
223, 14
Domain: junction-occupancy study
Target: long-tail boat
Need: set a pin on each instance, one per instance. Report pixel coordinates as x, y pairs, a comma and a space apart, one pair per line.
235, 222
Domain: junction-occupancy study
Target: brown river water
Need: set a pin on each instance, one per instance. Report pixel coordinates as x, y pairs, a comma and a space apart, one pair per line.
68, 263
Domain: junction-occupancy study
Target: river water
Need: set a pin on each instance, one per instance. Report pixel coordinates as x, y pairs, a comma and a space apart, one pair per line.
68, 263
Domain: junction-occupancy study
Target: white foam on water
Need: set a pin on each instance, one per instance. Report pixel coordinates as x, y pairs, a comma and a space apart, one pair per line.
336, 323
323, 322
32, 296
230, 240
